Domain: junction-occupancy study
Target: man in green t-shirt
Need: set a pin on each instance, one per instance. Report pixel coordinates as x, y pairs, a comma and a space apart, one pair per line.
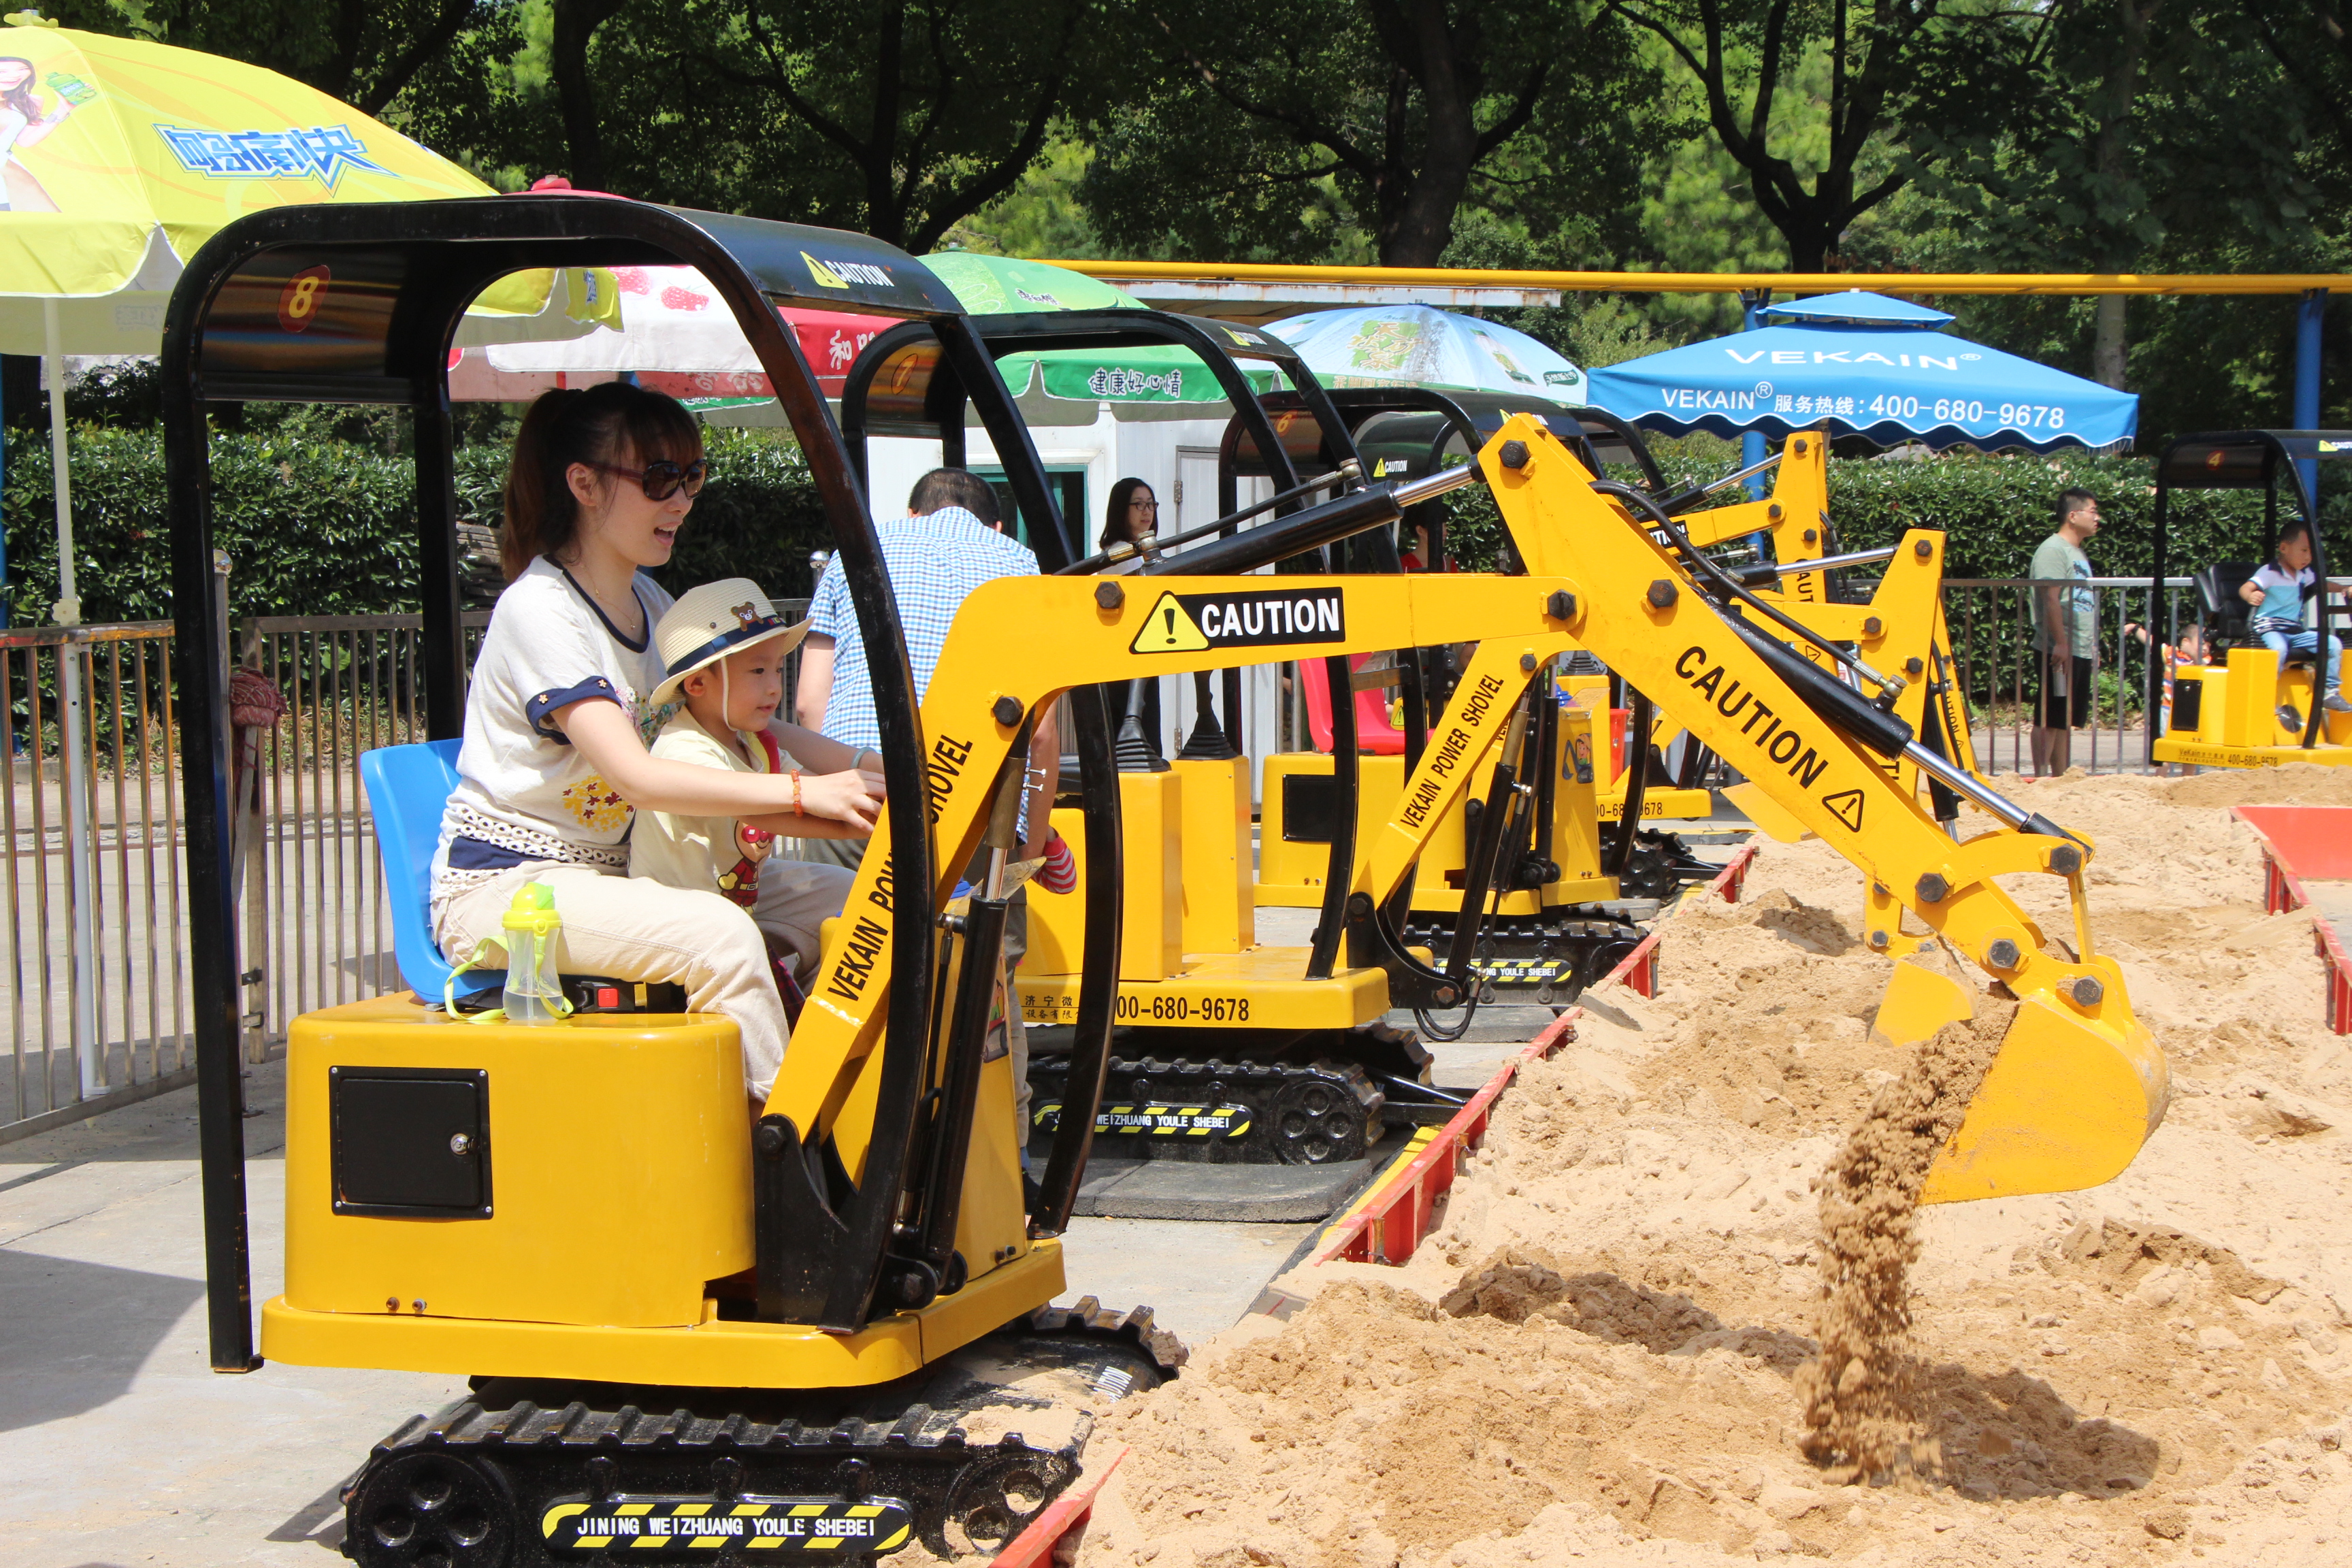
2065, 632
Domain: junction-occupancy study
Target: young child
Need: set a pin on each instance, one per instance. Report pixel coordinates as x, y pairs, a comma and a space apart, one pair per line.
2188, 652
2278, 592
723, 648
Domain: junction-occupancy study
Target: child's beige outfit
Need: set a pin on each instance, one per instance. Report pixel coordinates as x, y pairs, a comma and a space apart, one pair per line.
789, 899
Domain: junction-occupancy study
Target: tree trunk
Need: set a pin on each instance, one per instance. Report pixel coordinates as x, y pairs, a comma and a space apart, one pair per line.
1422, 226
576, 23
2109, 347
2111, 164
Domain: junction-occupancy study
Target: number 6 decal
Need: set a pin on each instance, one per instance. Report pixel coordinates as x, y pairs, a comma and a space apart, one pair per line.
299, 301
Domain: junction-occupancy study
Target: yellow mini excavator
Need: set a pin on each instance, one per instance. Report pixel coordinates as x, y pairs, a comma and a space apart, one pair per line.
829, 1333
2246, 707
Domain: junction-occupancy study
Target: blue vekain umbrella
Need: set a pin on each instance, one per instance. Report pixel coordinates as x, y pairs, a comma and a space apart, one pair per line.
1862, 364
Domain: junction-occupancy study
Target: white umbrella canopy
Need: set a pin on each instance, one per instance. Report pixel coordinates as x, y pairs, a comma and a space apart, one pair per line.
674, 337
1413, 345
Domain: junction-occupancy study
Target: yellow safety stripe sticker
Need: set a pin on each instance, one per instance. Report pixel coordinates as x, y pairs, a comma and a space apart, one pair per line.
1158, 1121
683, 1525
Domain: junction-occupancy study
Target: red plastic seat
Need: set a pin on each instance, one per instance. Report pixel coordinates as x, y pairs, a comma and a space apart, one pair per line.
1374, 734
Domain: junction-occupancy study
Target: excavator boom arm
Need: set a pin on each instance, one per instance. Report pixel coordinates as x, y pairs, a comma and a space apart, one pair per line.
1646, 613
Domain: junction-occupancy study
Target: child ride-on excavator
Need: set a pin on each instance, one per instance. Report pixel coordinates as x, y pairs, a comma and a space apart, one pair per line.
2233, 711
673, 1351
828, 1335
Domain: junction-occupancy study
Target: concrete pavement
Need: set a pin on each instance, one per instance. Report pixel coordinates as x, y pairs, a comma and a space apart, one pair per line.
122, 1447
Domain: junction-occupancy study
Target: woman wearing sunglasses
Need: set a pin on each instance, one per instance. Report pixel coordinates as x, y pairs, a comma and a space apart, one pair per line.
555, 763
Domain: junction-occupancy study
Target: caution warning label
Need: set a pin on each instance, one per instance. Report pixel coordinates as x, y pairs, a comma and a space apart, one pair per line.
1846, 806
1196, 623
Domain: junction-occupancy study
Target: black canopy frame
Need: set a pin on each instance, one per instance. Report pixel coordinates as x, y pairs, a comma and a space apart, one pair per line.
2240, 460
1217, 345
387, 286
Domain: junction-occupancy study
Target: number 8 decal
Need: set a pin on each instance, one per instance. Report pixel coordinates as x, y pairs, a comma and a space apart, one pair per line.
300, 301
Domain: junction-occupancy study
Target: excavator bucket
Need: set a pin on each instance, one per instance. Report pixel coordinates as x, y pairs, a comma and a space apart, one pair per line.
2067, 1103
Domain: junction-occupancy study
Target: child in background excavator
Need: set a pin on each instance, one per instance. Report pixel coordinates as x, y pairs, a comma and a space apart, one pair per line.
722, 646
2278, 593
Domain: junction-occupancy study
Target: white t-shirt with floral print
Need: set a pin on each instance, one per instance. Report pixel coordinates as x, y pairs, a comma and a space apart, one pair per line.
523, 792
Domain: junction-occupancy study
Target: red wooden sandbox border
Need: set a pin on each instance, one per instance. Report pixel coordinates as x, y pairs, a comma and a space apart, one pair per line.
2319, 839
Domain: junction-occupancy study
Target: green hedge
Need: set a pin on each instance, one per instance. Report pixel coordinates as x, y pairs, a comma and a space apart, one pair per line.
327, 527
1996, 510
324, 527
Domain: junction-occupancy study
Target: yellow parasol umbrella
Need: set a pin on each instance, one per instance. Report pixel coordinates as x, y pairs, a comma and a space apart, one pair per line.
119, 157
118, 160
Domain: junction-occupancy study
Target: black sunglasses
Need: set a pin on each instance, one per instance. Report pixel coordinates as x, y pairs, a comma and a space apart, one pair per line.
663, 479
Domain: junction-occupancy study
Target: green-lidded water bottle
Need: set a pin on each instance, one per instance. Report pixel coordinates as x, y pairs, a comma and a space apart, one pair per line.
534, 932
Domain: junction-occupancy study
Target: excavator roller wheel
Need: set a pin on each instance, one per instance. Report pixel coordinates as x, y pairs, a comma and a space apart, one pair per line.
1317, 1122
429, 1510
995, 1497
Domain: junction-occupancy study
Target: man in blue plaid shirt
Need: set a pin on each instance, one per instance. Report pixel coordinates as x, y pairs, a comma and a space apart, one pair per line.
951, 542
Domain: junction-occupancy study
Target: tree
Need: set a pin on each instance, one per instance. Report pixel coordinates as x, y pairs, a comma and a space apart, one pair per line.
899, 118
1747, 50
947, 102
2134, 150
365, 52
2311, 42
575, 28
1259, 117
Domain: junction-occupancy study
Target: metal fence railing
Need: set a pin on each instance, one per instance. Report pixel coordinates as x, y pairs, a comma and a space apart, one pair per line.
1991, 622
95, 950
318, 926
91, 811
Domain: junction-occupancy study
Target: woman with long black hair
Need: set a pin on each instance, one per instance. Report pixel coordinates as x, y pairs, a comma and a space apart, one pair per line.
554, 765
1131, 517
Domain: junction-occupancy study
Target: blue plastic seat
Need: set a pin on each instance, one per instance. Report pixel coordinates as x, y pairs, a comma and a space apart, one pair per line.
408, 788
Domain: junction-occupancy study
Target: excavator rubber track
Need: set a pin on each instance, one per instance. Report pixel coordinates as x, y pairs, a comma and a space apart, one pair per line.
625, 1475
1662, 864
1220, 1111
1548, 959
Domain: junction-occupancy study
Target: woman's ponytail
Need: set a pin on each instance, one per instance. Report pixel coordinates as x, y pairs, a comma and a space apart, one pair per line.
581, 424
542, 513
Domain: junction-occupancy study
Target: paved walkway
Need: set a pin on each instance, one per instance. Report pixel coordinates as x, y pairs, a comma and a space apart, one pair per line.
121, 1448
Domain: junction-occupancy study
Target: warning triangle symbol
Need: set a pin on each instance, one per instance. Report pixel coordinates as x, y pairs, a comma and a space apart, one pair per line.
1846, 805
1169, 629
826, 278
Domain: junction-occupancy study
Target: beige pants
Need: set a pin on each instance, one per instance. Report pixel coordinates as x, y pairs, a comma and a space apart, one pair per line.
635, 929
796, 898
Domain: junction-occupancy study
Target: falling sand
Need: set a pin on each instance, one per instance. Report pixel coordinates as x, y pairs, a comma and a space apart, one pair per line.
1599, 1354
1858, 1393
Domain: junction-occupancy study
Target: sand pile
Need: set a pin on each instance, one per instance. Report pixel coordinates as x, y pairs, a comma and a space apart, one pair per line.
1596, 1357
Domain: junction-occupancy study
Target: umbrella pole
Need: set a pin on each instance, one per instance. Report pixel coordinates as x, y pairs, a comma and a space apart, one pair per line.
72, 727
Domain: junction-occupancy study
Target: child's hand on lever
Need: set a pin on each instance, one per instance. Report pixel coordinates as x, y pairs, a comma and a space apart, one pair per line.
852, 797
